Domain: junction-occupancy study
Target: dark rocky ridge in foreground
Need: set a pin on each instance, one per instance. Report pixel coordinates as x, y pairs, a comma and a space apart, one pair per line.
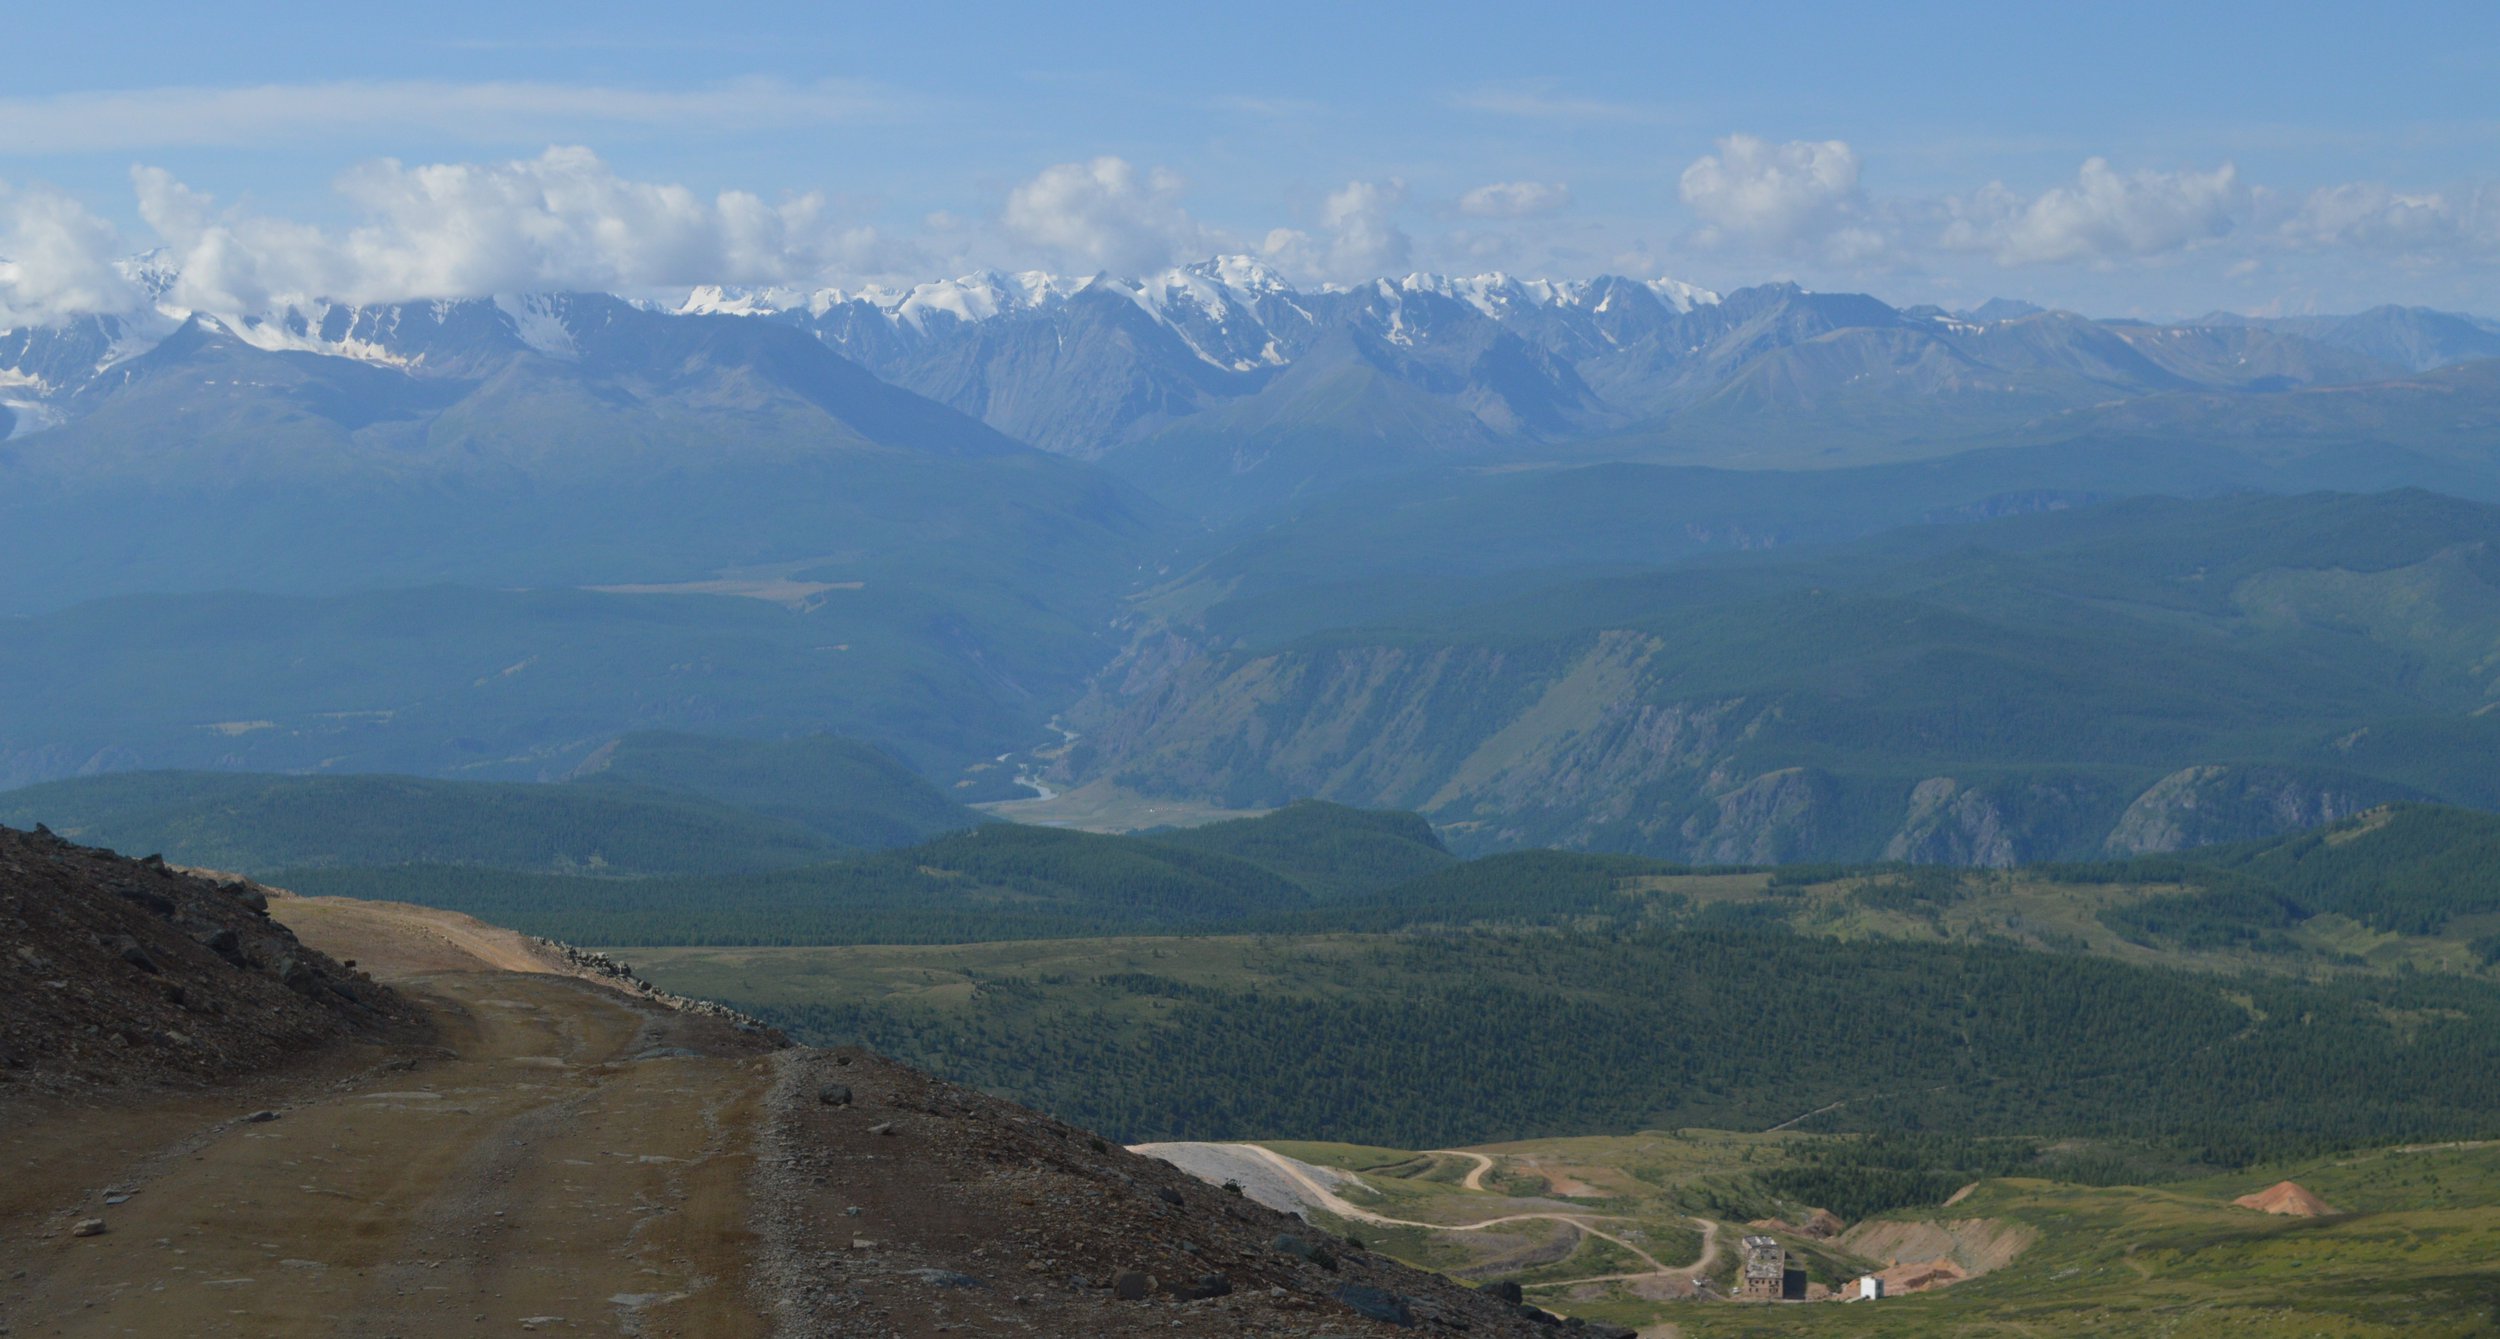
123, 973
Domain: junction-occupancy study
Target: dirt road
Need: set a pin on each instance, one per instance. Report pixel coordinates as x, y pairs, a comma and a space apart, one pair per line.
1312, 1191
566, 1158
1475, 1174
534, 1145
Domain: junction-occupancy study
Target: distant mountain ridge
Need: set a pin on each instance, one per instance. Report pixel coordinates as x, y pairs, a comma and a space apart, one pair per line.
2198, 671
1223, 378
1224, 388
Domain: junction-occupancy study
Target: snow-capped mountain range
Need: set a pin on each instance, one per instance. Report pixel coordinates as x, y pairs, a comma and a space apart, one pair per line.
1223, 379
1232, 312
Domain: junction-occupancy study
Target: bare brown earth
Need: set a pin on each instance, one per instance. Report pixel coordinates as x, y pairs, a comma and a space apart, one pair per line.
549, 1155
2285, 1197
1922, 1255
560, 1155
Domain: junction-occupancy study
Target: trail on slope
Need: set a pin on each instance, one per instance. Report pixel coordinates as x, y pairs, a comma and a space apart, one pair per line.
1475, 1175
547, 1161
1313, 1192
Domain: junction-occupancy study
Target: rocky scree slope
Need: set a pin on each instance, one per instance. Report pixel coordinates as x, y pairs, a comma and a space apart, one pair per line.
895, 1203
123, 973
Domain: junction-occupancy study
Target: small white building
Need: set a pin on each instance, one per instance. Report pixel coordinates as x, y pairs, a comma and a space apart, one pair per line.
1870, 1288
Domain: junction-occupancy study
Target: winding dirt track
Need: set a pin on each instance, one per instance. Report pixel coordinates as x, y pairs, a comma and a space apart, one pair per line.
1475, 1175
1323, 1197
546, 1167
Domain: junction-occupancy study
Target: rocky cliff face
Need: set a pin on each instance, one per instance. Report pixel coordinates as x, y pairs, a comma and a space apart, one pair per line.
2205, 805
1578, 744
1997, 824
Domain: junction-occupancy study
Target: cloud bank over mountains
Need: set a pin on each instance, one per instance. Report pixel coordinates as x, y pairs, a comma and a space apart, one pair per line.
567, 219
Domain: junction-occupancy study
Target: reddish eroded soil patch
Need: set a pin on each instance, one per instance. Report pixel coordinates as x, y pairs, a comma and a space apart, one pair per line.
2286, 1197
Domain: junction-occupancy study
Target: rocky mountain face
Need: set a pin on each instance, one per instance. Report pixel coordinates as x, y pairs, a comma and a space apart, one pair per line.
2210, 805
570, 438
130, 974
1220, 387
1503, 748
2122, 690
2415, 338
1089, 367
1181, 379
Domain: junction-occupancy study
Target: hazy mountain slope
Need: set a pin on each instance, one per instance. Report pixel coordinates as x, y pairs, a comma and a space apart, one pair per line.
460, 681
2438, 428
1218, 385
1329, 849
1001, 880
847, 792
258, 823
1098, 373
1194, 378
1984, 693
1343, 412
2417, 339
643, 447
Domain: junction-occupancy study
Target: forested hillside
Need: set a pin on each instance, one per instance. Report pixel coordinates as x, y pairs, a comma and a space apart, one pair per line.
848, 793
645, 804
2130, 677
1435, 1040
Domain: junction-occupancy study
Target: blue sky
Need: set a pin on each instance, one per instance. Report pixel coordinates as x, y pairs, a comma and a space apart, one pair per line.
2146, 159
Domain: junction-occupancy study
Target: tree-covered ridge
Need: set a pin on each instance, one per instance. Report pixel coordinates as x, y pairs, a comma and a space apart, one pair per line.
995, 882
847, 792
2405, 869
257, 823
2419, 873
647, 804
1427, 1040
1329, 849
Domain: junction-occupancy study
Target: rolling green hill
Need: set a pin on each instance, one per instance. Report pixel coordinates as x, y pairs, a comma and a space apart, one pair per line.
1555, 992
1432, 1039
470, 683
256, 823
651, 804
1327, 848
1001, 880
845, 792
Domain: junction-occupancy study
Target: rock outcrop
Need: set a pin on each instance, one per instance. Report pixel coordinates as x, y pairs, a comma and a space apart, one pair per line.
122, 973
2205, 805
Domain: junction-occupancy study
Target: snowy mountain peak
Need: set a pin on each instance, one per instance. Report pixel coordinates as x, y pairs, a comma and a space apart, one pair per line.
979, 296
722, 300
1497, 294
1680, 296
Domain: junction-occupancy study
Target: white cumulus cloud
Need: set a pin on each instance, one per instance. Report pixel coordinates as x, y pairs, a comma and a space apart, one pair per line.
1108, 215
1514, 199
562, 220
2103, 216
2415, 225
1358, 239
1801, 196
57, 260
